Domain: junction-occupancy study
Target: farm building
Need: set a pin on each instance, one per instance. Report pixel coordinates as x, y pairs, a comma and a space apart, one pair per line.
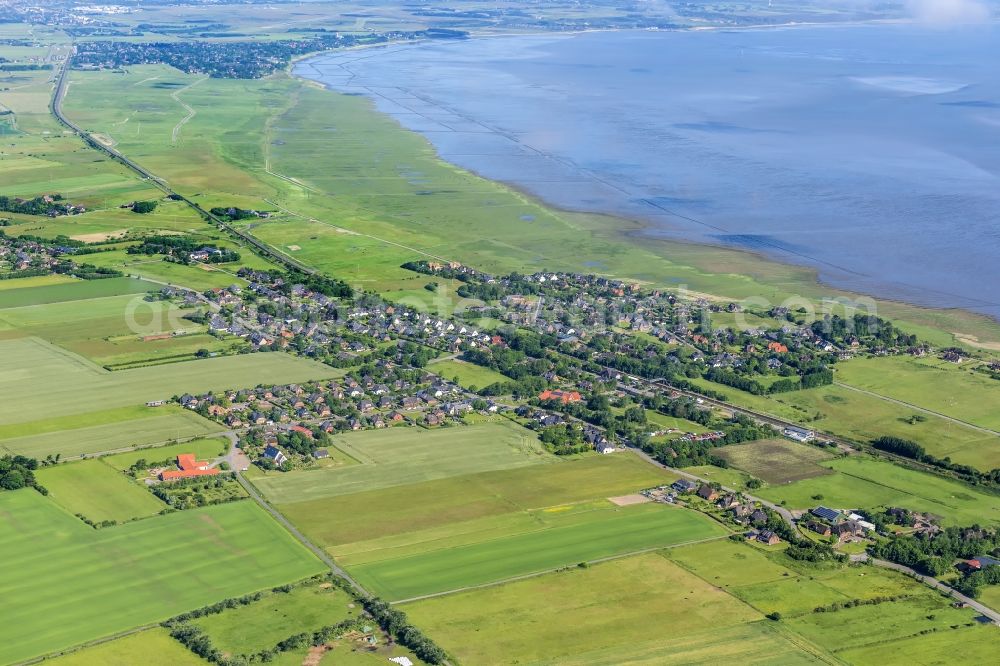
799, 434
684, 486
188, 467
825, 513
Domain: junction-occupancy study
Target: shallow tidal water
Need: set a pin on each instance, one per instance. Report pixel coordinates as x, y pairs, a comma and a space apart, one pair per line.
871, 153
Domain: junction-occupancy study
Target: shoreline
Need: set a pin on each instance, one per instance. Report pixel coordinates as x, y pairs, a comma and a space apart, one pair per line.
965, 326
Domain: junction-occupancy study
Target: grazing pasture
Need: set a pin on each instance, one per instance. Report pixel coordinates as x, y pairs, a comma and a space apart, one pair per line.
44, 381
448, 505
776, 461
405, 455
580, 537
861, 482
98, 582
643, 608
98, 492
153, 647
965, 645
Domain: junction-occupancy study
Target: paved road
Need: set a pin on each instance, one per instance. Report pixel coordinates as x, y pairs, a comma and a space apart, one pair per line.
918, 409
783, 512
277, 515
935, 583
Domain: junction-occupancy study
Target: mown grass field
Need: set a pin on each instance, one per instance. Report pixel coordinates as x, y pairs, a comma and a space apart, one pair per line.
98, 582
847, 413
860, 482
580, 537
400, 456
443, 508
776, 461
44, 381
153, 647
97, 491
931, 383
642, 608
967, 645
467, 374
261, 625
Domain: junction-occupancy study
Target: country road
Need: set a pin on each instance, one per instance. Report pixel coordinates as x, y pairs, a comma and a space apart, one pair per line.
277, 515
783, 512
935, 583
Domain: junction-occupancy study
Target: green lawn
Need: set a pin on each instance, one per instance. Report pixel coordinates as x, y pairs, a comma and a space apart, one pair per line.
261, 625
44, 381
97, 491
641, 609
98, 582
467, 374
399, 456
596, 534
153, 647
860, 482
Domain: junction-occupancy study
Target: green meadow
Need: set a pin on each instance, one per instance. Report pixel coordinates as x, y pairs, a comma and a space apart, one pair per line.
579, 537
406, 455
98, 492
861, 482
98, 582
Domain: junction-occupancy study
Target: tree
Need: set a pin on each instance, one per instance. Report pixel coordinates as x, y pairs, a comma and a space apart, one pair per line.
143, 207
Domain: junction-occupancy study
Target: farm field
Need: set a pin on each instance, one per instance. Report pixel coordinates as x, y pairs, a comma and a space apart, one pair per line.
861, 482
971, 645
45, 381
399, 456
730, 478
37, 281
931, 383
99, 582
854, 415
262, 624
611, 608
153, 647
468, 374
77, 290
375, 519
97, 491
776, 461
579, 537
152, 428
